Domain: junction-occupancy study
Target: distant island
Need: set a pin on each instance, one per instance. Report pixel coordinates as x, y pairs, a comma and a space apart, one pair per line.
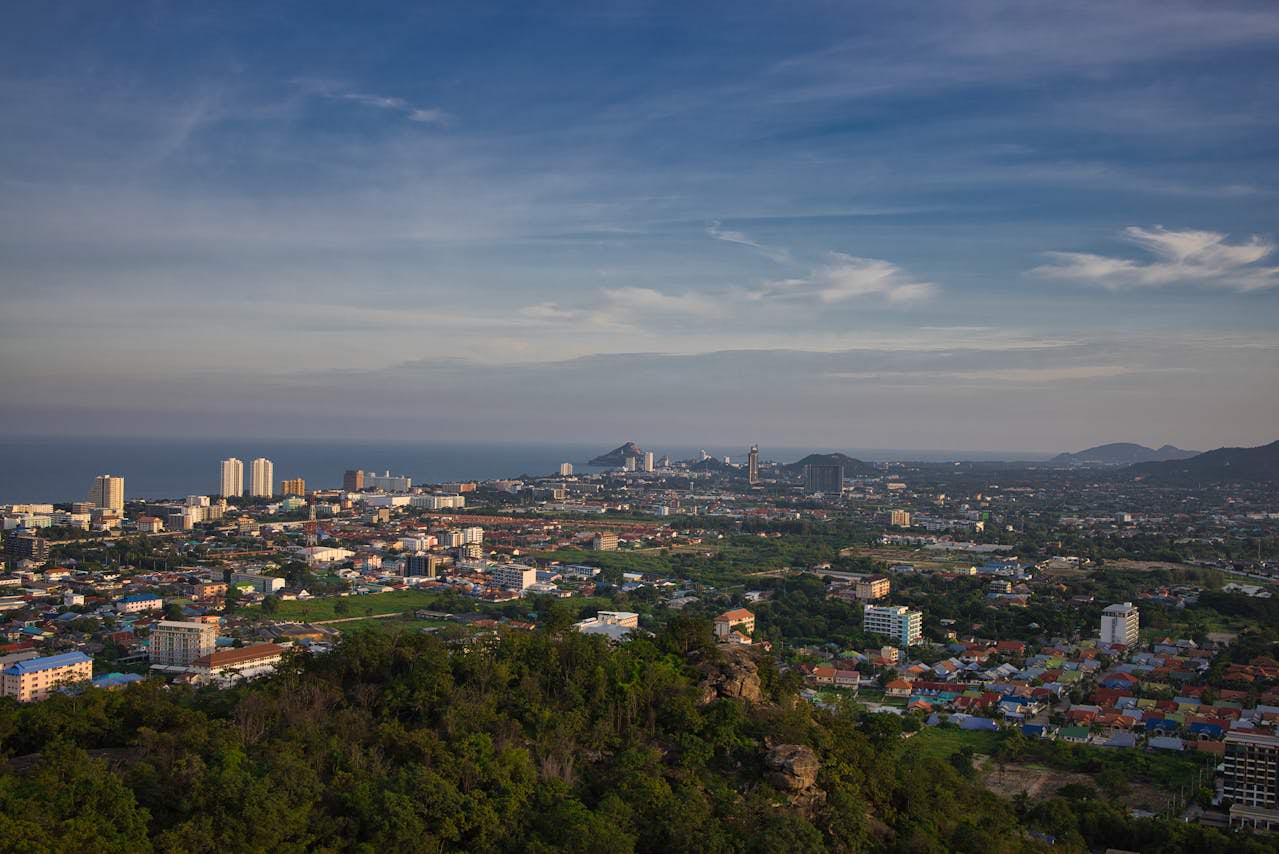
852, 466
618, 456
1121, 454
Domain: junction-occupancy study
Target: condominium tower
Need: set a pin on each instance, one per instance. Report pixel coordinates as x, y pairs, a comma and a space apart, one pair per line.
1119, 624
261, 478
232, 478
896, 621
107, 492
752, 465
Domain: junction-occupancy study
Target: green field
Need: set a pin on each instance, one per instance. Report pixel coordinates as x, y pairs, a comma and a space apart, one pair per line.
390, 625
941, 742
322, 608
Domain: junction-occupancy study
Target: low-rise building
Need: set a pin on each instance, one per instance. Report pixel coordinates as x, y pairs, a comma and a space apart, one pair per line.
36, 678
232, 665
139, 602
736, 619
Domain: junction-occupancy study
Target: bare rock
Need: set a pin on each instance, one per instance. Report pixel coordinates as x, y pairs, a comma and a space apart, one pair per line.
735, 676
792, 767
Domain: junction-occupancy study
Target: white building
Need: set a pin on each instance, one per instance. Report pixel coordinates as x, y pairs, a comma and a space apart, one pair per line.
107, 492
1120, 624
513, 575
648, 461
264, 584
895, 621
439, 502
566, 469
473, 534
231, 481
388, 482
316, 555
261, 478
175, 643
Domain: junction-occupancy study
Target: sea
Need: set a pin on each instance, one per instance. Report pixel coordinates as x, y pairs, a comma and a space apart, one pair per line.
60, 469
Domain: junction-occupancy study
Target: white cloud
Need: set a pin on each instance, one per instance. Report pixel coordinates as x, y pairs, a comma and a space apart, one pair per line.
774, 253
1195, 258
650, 301
848, 277
334, 91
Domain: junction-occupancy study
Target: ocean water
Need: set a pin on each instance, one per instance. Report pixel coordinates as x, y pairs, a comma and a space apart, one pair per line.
58, 469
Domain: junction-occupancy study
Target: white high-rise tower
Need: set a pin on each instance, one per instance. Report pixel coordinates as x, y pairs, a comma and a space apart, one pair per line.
232, 478
261, 476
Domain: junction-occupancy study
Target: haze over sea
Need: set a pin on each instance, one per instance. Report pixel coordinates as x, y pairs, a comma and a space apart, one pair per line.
55, 469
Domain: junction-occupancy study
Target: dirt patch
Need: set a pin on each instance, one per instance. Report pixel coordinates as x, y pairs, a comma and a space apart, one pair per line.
1038, 783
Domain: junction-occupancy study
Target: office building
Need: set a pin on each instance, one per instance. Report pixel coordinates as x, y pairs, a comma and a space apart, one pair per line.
513, 576
752, 465
232, 478
824, 479
175, 643
902, 624
352, 480
1251, 770
107, 492
262, 478
648, 461
25, 547
36, 678
1120, 624
566, 469
604, 541
228, 666
293, 486
899, 519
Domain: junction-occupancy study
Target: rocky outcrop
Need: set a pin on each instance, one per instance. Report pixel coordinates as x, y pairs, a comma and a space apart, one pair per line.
792, 767
734, 676
618, 456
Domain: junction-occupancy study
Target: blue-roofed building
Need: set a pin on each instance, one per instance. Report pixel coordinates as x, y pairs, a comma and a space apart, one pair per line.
116, 680
1034, 730
139, 602
36, 678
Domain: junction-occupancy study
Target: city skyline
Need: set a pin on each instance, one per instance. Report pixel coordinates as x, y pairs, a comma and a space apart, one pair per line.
924, 227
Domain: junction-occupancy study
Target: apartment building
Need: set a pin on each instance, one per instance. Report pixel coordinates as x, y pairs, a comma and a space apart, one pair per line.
1120, 624
902, 624
1251, 766
36, 678
872, 588
176, 643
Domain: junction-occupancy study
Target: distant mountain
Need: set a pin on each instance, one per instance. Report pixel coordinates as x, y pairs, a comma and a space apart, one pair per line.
710, 464
617, 456
1121, 454
852, 467
1223, 464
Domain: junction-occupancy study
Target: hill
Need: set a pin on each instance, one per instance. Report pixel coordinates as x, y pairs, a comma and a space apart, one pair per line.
1122, 454
617, 456
852, 467
1224, 464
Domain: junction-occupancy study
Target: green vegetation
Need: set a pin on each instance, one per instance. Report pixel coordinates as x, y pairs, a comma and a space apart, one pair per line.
942, 742
542, 742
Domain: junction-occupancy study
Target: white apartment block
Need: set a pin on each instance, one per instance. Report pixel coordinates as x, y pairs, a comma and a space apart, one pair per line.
1120, 624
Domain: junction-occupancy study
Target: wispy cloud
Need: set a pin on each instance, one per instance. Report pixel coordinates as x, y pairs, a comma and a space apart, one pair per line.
774, 253
413, 112
848, 277
1191, 258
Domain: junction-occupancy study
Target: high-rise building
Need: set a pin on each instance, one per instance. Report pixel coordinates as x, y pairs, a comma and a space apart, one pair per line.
827, 479
423, 565
648, 461
232, 480
895, 621
604, 541
262, 478
178, 643
352, 480
293, 486
752, 465
107, 492
25, 547
629, 464
1251, 766
899, 518
1120, 624
566, 469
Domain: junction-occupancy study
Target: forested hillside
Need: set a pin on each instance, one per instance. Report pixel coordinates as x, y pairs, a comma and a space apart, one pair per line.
546, 741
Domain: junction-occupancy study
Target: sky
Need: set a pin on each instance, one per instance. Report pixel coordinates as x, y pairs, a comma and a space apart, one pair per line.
1030, 226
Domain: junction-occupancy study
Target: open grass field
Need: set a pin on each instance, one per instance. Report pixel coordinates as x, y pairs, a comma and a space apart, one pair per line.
323, 608
941, 742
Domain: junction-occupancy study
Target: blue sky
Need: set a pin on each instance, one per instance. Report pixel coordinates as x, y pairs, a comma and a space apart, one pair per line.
1023, 226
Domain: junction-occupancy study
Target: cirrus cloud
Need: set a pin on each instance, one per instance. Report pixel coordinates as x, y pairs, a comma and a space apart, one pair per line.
848, 277
1190, 258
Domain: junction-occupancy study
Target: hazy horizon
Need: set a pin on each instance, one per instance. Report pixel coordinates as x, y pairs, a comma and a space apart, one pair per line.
1028, 227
